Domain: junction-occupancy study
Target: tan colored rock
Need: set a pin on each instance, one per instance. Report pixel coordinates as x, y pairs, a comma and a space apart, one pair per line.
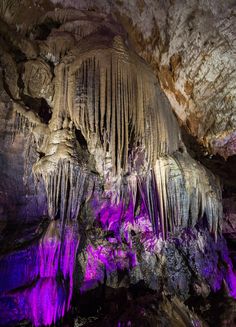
38, 79
191, 46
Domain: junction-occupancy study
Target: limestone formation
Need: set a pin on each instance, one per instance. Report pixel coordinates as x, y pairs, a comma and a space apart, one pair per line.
93, 99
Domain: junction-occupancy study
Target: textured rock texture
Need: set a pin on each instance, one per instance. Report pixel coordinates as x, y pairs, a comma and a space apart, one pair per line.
18, 202
93, 90
99, 192
191, 47
229, 227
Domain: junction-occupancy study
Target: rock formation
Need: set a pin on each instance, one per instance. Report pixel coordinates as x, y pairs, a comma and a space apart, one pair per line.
99, 187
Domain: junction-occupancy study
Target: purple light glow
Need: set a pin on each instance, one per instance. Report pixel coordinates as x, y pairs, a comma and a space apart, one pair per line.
232, 281
51, 270
122, 222
49, 296
47, 301
105, 258
114, 255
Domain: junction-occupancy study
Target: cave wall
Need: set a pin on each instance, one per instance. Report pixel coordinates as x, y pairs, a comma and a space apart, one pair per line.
104, 189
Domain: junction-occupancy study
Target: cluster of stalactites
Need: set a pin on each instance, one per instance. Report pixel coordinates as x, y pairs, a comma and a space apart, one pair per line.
113, 98
66, 187
67, 184
23, 121
178, 192
115, 101
27, 122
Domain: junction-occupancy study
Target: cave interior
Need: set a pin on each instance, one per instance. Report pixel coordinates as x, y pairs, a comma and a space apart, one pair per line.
117, 158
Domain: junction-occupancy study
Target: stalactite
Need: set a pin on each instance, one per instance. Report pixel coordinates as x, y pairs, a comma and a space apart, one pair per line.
177, 192
66, 183
22, 124
150, 185
24, 120
29, 156
187, 192
35, 133
112, 97
65, 188
132, 108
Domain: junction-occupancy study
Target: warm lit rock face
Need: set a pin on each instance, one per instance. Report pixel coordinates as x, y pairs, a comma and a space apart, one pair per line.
191, 47
102, 180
